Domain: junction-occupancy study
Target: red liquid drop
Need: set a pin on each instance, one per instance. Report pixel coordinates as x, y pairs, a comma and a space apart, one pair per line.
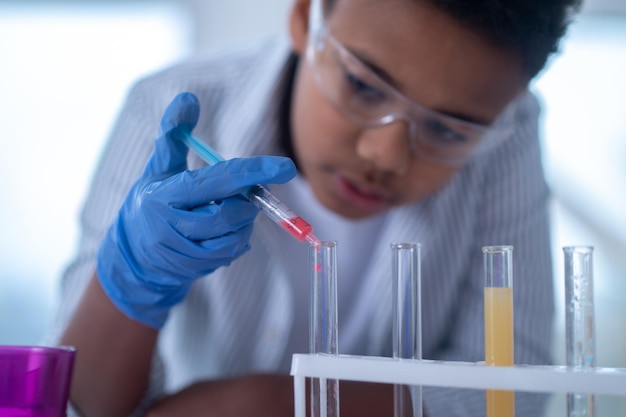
297, 227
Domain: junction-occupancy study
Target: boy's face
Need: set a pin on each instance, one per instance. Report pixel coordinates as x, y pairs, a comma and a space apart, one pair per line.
359, 171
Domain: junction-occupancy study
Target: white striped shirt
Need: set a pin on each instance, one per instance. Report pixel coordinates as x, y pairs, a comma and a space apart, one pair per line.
240, 319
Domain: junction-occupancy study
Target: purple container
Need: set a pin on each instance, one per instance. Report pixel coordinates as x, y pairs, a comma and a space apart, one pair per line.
35, 380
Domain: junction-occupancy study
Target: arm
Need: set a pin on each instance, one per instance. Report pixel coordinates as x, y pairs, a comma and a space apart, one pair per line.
85, 315
114, 355
173, 227
246, 396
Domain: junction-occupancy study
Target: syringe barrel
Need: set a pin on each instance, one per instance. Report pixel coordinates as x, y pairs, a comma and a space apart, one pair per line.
268, 204
295, 225
279, 213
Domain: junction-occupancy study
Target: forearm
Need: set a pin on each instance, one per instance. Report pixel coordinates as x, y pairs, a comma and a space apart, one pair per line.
114, 355
365, 399
263, 394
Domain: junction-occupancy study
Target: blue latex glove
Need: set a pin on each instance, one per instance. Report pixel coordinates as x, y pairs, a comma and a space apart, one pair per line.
177, 225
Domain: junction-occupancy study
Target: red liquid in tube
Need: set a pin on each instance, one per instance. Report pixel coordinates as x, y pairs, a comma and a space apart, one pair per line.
297, 227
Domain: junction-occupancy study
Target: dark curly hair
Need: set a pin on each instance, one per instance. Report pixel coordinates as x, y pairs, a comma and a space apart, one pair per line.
533, 28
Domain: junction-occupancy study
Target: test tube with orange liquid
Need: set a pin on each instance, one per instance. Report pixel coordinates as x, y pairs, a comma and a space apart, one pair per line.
498, 292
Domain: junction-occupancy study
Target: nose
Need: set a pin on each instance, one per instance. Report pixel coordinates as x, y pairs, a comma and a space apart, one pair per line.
387, 147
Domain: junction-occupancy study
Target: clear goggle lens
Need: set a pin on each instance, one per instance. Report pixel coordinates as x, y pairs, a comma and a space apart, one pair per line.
366, 99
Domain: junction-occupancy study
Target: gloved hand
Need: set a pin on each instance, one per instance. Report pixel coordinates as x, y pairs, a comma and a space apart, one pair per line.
177, 225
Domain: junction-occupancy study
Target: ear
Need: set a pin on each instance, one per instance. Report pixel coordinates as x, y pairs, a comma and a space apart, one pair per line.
299, 25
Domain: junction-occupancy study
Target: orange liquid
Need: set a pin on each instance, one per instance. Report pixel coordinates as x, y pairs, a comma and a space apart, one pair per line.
499, 346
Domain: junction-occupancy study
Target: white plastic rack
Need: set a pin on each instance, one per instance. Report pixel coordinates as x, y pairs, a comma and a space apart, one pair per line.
550, 379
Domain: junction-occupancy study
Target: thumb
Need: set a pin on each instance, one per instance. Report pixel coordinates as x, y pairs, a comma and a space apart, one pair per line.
170, 154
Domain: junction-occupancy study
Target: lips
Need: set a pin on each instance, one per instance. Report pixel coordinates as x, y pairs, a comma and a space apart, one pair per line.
359, 196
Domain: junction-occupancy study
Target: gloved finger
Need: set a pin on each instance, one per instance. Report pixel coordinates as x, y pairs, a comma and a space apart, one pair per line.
227, 178
181, 113
216, 219
229, 247
201, 257
170, 154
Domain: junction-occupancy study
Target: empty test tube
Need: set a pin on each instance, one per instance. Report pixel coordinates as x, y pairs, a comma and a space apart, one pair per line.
579, 322
323, 323
407, 324
498, 292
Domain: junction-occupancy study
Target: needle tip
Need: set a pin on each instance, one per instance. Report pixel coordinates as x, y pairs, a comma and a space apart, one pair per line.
312, 239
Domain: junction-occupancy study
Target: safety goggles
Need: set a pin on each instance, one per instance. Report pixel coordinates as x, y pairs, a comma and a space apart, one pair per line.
363, 97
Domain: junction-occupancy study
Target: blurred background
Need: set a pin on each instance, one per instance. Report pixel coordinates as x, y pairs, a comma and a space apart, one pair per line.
65, 67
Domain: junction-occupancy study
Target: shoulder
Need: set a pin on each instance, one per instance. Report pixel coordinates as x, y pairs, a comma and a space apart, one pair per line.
527, 108
219, 69
219, 78
515, 132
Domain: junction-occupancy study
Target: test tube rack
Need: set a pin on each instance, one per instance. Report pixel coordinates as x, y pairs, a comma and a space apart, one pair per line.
580, 377
532, 378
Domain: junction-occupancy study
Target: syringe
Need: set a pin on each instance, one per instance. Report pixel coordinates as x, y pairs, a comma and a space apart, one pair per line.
257, 194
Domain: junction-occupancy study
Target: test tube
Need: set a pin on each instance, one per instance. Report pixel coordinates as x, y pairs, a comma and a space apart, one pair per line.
323, 326
407, 323
579, 322
498, 292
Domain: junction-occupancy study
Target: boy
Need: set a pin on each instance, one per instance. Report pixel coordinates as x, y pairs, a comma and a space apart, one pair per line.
407, 120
